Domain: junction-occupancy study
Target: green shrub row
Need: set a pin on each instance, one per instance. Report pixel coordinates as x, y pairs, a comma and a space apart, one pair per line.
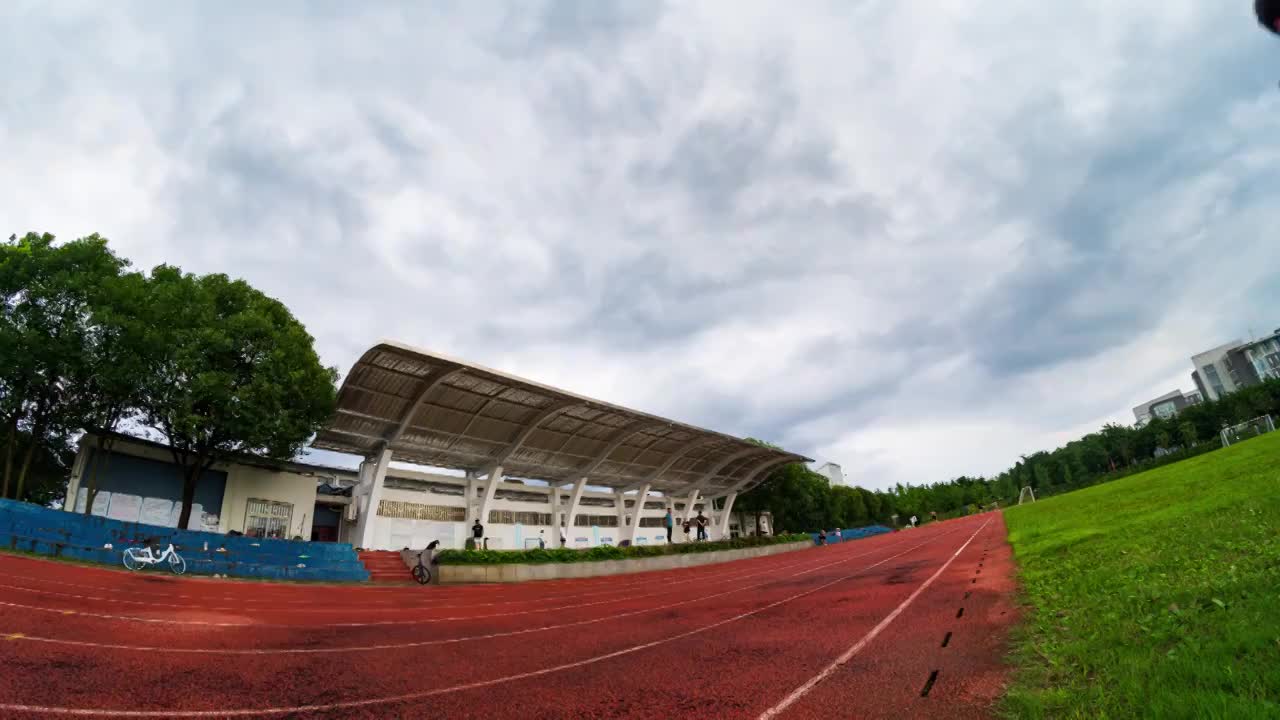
596, 554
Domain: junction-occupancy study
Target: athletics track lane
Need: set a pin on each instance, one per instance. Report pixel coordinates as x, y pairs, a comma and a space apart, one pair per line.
729, 645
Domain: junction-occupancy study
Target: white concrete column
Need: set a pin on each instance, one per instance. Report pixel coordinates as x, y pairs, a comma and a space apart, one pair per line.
575, 502
77, 471
635, 517
620, 507
490, 489
692, 514
725, 514
554, 498
373, 471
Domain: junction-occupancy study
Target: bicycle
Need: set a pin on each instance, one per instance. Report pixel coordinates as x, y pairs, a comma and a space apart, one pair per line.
422, 571
137, 558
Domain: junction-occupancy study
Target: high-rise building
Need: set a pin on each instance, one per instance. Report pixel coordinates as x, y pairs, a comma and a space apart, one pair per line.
833, 473
1166, 406
1223, 370
1264, 356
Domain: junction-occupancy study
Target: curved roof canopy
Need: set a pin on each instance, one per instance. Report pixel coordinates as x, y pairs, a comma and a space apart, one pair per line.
438, 411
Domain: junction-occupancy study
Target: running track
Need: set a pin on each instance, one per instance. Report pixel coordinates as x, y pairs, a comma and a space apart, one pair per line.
850, 630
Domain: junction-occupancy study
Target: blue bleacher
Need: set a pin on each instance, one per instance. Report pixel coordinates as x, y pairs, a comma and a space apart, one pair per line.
31, 528
852, 533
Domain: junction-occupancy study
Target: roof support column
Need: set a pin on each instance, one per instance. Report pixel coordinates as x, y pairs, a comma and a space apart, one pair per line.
554, 499
490, 490
575, 502
635, 517
690, 513
373, 471
724, 515
620, 507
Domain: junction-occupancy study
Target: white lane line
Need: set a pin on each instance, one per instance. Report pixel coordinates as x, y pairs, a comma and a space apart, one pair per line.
350, 704
866, 639
374, 623
424, 643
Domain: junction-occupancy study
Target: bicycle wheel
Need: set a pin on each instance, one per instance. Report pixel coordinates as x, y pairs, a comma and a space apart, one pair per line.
130, 561
176, 564
422, 574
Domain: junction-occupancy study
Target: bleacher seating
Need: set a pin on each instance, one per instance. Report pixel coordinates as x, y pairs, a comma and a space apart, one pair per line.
31, 528
852, 533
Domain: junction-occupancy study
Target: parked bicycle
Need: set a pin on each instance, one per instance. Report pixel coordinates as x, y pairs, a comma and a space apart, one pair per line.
138, 558
422, 571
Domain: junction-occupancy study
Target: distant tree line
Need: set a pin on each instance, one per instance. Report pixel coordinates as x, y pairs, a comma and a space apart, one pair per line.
208, 363
800, 499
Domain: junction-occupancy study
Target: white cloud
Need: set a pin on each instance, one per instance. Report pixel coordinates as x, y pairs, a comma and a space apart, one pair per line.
859, 229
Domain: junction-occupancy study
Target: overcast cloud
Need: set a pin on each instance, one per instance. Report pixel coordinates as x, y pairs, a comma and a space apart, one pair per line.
914, 237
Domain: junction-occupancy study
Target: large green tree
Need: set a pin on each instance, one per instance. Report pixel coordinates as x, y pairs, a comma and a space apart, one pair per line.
234, 372
48, 331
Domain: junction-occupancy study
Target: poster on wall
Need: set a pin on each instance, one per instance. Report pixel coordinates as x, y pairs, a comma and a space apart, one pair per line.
101, 502
209, 522
124, 507
156, 511
193, 522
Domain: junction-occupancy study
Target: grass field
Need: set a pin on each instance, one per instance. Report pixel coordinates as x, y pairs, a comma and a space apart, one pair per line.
1154, 596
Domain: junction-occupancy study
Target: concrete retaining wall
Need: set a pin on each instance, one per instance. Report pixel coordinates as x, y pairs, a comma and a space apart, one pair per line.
520, 572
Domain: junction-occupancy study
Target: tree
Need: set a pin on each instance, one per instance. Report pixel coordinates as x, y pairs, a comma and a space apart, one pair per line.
120, 357
235, 372
1188, 432
48, 294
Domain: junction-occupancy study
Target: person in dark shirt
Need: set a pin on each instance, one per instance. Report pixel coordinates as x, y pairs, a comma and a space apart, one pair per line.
701, 521
477, 535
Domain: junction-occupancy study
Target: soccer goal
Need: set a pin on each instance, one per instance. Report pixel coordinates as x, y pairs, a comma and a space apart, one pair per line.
1027, 495
1247, 429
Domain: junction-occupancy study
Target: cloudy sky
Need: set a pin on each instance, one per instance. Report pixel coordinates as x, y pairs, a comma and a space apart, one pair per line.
914, 237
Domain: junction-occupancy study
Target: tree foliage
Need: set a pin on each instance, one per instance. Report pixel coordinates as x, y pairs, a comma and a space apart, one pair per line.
234, 373
210, 363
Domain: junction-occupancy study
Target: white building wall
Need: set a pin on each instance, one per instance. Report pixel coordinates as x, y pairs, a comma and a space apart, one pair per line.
245, 482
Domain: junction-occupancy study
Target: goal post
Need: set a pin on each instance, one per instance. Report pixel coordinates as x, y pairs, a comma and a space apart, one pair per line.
1027, 495
1247, 429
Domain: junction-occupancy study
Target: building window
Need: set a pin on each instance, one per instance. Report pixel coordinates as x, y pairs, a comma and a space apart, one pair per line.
597, 520
419, 511
513, 517
651, 521
267, 518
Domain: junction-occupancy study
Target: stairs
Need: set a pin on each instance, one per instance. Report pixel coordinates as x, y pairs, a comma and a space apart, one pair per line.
385, 566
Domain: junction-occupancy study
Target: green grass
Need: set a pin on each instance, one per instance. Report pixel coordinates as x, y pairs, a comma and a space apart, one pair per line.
1157, 595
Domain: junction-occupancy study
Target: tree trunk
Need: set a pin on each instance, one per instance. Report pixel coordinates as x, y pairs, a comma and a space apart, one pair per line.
191, 476
26, 465
8, 454
100, 460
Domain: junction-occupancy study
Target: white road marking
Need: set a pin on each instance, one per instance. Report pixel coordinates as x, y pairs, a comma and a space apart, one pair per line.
350, 704
866, 639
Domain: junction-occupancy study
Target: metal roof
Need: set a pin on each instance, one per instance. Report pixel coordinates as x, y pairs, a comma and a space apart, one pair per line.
438, 411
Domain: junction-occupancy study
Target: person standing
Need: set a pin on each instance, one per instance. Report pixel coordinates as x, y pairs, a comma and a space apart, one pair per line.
701, 520
669, 523
477, 535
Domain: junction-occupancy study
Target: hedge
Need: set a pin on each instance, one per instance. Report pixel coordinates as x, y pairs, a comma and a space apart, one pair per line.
606, 552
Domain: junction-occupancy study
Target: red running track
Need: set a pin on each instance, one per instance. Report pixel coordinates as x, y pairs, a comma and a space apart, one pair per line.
849, 630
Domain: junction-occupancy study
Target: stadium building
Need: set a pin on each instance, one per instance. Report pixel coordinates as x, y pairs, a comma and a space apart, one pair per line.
538, 466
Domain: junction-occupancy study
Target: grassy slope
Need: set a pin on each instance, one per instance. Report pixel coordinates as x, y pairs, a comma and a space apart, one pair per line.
1154, 596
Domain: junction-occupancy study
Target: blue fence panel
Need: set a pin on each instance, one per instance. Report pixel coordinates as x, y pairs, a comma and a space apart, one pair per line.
32, 528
